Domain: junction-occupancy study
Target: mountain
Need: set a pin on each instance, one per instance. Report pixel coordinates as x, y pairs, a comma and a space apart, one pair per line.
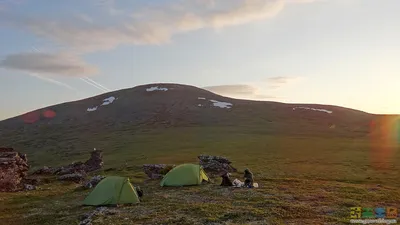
123, 115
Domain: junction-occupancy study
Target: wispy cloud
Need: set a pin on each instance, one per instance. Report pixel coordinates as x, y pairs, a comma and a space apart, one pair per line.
59, 83
45, 63
239, 91
94, 84
280, 81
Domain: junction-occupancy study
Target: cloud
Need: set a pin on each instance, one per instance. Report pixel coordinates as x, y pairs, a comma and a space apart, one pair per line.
84, 18
109, 6
280, 81
149, 24
239, 91
52, 64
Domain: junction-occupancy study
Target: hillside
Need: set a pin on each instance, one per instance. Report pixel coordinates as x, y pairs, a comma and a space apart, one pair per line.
66, 129
313, 162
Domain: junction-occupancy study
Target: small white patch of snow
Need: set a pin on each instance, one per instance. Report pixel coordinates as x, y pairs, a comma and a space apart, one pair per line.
201, 98
156, 89
108, 101
92, 109
221, 104
308, 108
200, 105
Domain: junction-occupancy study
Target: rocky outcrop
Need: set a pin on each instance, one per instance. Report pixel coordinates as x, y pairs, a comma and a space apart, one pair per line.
46, 171
216, 165
13, 169
157, 171
95, 162
93, 182
74, 177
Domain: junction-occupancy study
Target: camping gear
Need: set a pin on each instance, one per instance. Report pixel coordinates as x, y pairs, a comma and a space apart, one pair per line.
112, 191
238, 184
184, 175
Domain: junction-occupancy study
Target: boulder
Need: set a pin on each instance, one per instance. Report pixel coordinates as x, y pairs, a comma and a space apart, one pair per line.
13, 169
157, 171
216, 165
29, 187
93, 181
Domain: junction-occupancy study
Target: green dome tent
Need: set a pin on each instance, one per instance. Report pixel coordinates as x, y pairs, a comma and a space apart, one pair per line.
184, 175
111, 191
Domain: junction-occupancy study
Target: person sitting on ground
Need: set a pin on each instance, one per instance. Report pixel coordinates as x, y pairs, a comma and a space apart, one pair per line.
248, 178
226, 181
139, 192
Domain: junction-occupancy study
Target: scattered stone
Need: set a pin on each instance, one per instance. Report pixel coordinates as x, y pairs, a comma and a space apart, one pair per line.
75, 177
157, 171
87, 218
13, 168
216, 165
93, 181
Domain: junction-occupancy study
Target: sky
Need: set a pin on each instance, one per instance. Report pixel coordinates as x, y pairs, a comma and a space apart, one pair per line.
335, 52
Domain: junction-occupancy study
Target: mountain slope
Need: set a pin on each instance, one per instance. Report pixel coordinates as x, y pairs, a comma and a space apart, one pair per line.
70, 128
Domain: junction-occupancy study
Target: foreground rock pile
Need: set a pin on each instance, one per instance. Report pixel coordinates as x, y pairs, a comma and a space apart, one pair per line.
87, 218
216, 165
13, 169
157, 171
75, 171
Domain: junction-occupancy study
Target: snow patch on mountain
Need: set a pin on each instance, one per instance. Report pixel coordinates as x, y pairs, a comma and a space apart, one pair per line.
108, 101
156, 89
222, 105
313, 109
201, 98
92, 109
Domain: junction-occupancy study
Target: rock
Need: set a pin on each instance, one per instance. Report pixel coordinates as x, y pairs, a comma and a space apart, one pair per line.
216, 165
75, 177
87, 218
29, 187
157, 171
31, 181
95, 162
71, 168
93, 181
13, 168
46, 171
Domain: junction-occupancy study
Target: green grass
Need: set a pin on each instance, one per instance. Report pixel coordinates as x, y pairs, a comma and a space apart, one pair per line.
303, 180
